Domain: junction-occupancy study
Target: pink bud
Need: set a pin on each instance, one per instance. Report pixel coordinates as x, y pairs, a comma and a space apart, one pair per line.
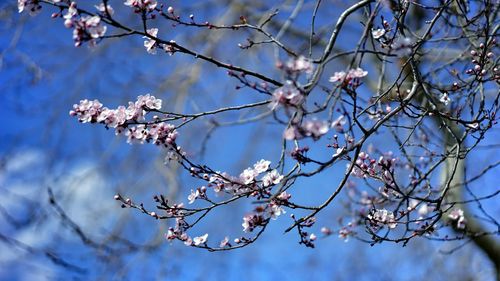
170, 10
117, 197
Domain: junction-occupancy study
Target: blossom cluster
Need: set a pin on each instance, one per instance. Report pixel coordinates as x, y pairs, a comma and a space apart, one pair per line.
382, 217
151, 44
309, 128
369, 167
300, 64
123, 117
352, 74
287, 95
85, 28
248, 180
178, 232
33, 6
261, 214
141, 5
458, 218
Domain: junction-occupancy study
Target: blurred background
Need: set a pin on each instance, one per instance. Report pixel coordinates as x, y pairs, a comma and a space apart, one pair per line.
58, 218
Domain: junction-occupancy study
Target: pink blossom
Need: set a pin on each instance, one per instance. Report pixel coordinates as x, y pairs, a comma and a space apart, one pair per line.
357, 73
272, 178
251, 221
148, 101
383, 217
457, 215
192, 197
309, 128
292, 133
301, 64
31, 5
284, 196
315, 128
378, 33
344, 234
144, 5
337, 76
170, 235
261, 166
312, 237
274, 210
150, 44
87, 111
351, 74
445, 99
288, 94
200, 240
248, 176
326, 231
224, 242
137, 134
86, 28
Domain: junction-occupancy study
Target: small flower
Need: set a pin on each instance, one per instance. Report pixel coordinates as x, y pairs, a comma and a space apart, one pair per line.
378, 33
457, 215
149, 102
315, 128
272, 178
292, 133
200, 240
144, 5
170, 235
351, 74
301, 64
225, 242
326, 231
261, 166
288, 94
150, 44
275, 210
445, 99
357, 73
93, 26
248, 176
344, 234
384, 217
312, 237
192, 197
337, 76
31, 5
284, 196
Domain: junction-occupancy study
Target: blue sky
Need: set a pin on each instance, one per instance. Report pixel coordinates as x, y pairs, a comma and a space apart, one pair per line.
42, 75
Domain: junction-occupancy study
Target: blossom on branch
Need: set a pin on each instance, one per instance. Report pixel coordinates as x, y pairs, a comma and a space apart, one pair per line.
151, 44
141, 5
